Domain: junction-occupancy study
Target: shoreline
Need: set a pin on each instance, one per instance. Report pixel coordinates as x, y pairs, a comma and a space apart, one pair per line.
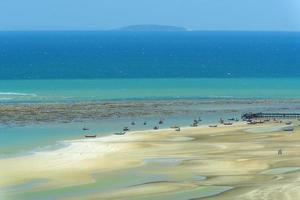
110, 137
135, 133
166, 163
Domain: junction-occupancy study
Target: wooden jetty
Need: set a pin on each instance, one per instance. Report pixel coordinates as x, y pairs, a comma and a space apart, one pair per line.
249, 116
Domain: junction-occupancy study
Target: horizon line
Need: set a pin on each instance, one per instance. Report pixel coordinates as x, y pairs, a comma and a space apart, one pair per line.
117, 30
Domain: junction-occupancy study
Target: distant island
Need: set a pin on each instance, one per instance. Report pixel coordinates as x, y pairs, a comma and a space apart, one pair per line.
152, 28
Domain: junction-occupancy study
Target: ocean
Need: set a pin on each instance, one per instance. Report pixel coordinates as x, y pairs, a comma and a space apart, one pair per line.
177, 76
108, 54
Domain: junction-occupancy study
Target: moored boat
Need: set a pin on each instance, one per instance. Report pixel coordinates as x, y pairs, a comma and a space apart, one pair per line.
125, 128
90, 136
213, 126
120, 133
174, 126
288, 128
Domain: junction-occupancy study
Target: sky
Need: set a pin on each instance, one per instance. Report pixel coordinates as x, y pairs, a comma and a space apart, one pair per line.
224, 15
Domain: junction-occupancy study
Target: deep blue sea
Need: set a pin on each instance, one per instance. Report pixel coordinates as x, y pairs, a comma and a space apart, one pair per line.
85, 55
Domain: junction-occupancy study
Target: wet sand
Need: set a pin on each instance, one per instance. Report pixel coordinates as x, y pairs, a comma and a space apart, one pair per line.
225, 162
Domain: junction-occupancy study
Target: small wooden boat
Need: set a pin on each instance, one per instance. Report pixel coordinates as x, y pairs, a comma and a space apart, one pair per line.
174, 126
288, 128
120, 133
125, 128
252, 122
194, 124
213, 126
288, 123
90, 136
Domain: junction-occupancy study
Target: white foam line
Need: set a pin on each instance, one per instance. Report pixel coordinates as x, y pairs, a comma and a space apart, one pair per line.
17, 94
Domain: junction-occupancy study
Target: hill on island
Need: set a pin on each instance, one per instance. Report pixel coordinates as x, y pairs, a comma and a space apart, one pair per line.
152, 28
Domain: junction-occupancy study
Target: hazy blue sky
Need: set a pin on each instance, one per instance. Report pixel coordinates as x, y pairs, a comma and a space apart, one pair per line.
192, 14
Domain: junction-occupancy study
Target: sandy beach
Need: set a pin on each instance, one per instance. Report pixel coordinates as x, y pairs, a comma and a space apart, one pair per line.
225, 162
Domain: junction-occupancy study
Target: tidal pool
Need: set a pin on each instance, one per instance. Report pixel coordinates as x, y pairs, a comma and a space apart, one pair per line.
281, 170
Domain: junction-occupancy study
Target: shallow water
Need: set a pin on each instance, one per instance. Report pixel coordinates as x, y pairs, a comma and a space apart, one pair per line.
281, 170
164, 162
199, 192
102, 183
120, 180
24, 186
265, 129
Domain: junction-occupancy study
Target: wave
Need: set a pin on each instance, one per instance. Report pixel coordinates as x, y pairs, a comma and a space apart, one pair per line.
16, 94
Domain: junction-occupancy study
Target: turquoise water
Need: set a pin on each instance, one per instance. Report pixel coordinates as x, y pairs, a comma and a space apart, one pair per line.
122, 89
21, 140
30, 137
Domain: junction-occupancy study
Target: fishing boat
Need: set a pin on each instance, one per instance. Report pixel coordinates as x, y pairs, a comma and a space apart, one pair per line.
288, 128
252, 122
194, 124
120, 133
90, 136
85, 129
174, 126
125, 128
